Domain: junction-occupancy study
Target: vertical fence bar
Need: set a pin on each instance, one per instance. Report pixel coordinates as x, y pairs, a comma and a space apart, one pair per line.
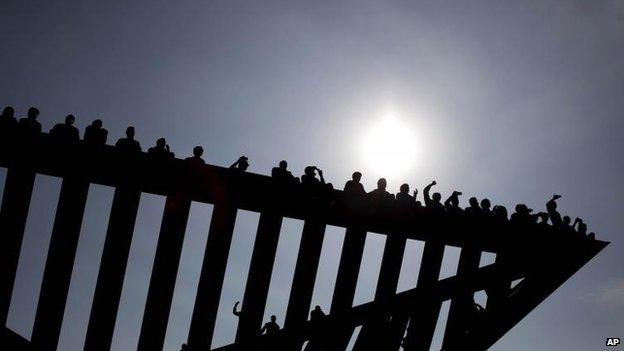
500, 289
461, 306
423, 319
259, 277
164, 272
13, 213
346, 280
372, 334
305, 274
59, 263
112, 269
211, 277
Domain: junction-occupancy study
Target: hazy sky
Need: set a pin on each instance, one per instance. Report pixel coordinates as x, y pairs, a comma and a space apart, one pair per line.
513, 101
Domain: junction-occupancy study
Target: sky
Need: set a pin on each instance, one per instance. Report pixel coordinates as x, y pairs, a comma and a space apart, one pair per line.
512, 101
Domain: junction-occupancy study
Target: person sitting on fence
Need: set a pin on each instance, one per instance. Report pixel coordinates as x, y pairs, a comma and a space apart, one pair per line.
380, 197
543, 219
403, 197
95, 134
433, 203
128, 144
241, 164
196, 159
353, 188
579, 227
282, 174
317, 318
474, 210
7, 120
452, 204
522, 215
499, 213
566, 225
485, 207
271, 328
551, 208
29, 125
309, 176
66, 131
161, 150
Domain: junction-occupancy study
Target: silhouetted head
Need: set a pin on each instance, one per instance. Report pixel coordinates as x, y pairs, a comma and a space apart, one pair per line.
130, 132
198, 151
381, 184
356, 176
474, 203
70, 119
243, 163
582, 228
97, 123
437, 197
551, 205
273, 318
317, 308
485, 204
283, 164
309, 171
161, 143
500, 211
33, 113
543, 216
404, 189
566, 220
8, 112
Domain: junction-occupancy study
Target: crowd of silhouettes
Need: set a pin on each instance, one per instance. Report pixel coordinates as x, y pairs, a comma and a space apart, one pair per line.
379, 198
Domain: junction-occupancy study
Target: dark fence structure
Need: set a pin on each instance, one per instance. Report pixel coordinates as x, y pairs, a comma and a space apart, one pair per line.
542, 256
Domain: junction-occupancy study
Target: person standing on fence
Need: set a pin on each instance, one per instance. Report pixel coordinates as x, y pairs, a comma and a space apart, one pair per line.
95, 134
66, 131
128, 144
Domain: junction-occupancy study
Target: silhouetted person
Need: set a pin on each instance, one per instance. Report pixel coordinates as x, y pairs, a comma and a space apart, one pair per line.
317, 318
403, 197
500, 213
522, 215
128, 144
309, 176
353, 187
29, 124
271, 328
196, 159
566, 225
551, 208
161, 150
485, 207
543, 219
282, 174
184, 347
580, 227
474, 210
66, 131
7, 120
95, 134
379, 196
241, 164
235, 310
433, 203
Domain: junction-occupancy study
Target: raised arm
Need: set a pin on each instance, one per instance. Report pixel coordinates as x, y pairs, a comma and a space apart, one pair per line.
320, 172
234, 310
426, 193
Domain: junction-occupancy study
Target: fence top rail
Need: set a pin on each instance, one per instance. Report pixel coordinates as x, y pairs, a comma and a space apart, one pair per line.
109, 166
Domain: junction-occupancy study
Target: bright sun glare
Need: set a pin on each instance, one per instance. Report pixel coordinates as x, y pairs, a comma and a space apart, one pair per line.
389, 147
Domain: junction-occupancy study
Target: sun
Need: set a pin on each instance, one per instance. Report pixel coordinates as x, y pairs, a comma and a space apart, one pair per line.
389, 147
